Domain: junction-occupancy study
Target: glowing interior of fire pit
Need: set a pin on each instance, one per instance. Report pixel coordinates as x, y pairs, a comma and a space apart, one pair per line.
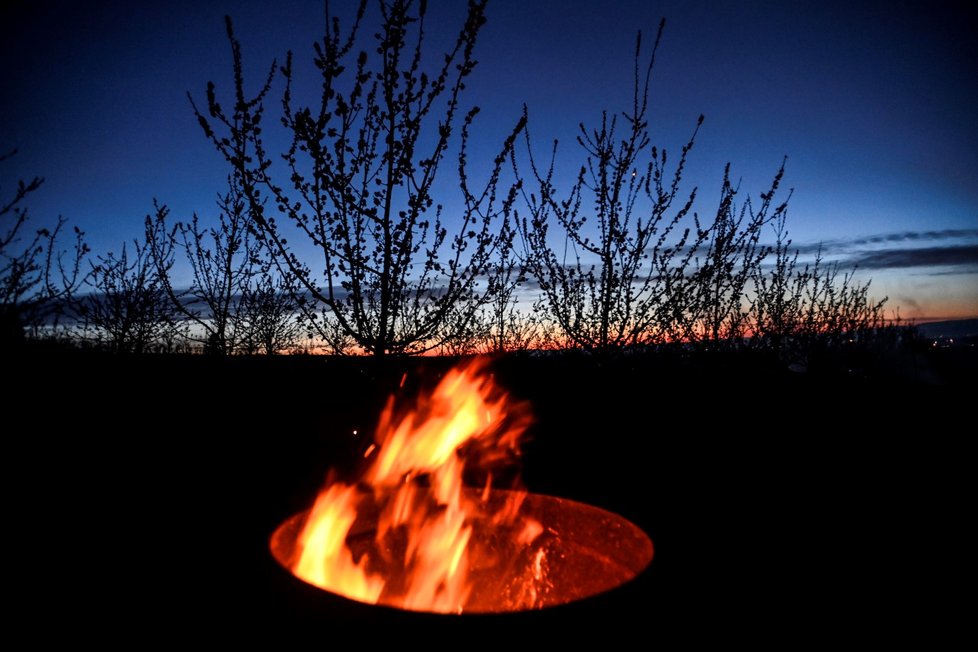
410, 534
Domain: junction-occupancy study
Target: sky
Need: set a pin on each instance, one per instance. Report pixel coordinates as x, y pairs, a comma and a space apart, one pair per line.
872, 103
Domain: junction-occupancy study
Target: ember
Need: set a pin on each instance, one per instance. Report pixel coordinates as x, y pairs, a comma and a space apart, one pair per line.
411, 534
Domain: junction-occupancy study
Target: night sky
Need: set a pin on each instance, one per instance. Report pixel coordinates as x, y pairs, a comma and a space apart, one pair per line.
872, 102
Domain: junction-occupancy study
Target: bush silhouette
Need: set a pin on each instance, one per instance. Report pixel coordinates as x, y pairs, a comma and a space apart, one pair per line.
358, 183
37, 277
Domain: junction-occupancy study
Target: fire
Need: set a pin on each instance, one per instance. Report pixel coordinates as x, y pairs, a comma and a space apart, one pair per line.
411, 533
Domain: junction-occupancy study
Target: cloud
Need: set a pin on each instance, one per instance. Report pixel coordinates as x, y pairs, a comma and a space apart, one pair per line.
946, 251
916, 236
840, 246
954, 256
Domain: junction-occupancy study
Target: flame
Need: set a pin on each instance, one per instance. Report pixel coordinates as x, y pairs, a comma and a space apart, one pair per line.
403, 534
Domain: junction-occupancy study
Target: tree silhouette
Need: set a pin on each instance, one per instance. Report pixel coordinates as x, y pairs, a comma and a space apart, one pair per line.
624, 268
129, 310
612, 276
778, 311
270, 318
502, 326
223, 261
732, 255
36, 277
798, 308
618, 255
361, 172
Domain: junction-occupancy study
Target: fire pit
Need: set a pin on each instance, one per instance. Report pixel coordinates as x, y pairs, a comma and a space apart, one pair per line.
412, 533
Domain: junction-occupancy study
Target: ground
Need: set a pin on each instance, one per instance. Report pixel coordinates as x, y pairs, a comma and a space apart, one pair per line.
142, 491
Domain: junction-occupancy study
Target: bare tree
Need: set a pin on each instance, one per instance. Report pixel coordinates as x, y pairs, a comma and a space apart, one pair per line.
733, 254
514, 330
613, 273
223, 261
361, 173
463, 341
270, 319
498, 326
838, 307
128, 310
505, 327
800, 307
628, 270
37, 277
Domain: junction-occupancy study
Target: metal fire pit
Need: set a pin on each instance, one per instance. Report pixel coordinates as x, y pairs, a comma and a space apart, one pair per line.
583, 551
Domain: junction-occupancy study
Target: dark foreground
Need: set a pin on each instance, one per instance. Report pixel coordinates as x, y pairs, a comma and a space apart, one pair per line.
830, 505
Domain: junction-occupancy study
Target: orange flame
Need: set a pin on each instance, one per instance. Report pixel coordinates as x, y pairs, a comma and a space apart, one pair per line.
403, 535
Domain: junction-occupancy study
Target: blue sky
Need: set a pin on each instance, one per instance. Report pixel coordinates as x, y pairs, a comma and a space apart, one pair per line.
872, 102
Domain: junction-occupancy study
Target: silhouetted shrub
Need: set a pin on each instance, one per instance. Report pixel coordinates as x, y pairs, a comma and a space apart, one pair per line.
619, 266
617, 276
37, 276
128, 310
358, 180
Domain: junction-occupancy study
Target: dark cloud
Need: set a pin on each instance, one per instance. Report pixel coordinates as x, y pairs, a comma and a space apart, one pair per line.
846, 246
955, 256
916, 236
825, 248
829, 247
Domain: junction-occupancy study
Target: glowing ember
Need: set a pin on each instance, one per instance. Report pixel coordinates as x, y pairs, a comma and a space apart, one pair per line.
412, 535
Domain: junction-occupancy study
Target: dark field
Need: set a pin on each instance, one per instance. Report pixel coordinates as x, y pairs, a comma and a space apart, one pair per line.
830, 505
